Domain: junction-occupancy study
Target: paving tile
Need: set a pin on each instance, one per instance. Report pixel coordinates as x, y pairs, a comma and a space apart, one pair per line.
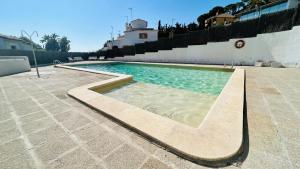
172, 160
262, 160
90, 132
53, 103
45, 99
78, 159
9, 135
62, 94
294, 154
196, 166
98, 117
75, 123
264, 137
153, 163
125, 157
290, 134
47, 135
143, 143
5, 111
15, 97
38, 125
51, 149
4, 116
227, 167
267, 143
11, 149
55, 109
33, 117
25, 110
7, 125
23, 161
68, 115
56, 106
104, 144
28, 102
285, 116
122, 131
110, 124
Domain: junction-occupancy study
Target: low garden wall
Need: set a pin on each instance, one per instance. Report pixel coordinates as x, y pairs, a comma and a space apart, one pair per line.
13, 64
281, 47
272, 37
46, 57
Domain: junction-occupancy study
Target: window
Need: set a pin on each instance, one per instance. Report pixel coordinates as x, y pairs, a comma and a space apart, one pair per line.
13, 47
143, 36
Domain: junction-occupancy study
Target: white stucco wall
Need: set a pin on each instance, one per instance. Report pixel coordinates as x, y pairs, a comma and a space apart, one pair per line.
139, 23
293, 3
8, 43
13, 64
132, 37
282, 47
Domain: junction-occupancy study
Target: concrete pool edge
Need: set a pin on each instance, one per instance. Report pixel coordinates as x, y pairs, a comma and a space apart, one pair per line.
218, 138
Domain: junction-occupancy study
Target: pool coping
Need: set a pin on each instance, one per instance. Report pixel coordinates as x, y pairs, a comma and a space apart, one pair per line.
219, 137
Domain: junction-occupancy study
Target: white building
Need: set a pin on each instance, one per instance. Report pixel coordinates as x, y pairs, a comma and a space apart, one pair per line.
137, 31
13, 43
275, 6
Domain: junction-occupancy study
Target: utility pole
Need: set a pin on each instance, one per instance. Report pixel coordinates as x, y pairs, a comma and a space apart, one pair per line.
32, 45
112, 32
173, 19
171, 35
131, 9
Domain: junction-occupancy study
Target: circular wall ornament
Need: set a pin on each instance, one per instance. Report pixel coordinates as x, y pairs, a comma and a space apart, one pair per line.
240, 44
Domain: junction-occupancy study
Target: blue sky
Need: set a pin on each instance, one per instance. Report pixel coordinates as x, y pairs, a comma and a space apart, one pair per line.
87, 23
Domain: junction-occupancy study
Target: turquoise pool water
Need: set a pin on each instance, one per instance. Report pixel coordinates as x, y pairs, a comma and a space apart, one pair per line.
195, 80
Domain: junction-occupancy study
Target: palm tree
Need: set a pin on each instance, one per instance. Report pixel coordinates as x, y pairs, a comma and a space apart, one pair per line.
45, 38
64, 44
54, 36
51, 42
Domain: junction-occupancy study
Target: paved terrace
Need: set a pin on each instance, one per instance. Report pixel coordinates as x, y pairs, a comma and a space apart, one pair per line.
41, 127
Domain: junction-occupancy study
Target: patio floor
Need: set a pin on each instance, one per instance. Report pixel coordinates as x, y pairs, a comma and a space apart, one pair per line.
42, 127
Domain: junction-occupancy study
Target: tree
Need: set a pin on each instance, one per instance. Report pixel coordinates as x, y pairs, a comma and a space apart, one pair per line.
234, 8
201, 20
240, 6
231, 9
51, 42
64, 44
159, 25
192, 26
216, 10
254, 3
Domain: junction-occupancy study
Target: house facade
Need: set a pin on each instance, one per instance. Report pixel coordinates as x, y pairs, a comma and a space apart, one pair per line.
222, 19
136, 32
273, 7
13, 43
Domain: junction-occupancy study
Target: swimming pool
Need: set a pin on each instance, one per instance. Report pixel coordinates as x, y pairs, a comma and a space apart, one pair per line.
183, 94
218, 137
194, 79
